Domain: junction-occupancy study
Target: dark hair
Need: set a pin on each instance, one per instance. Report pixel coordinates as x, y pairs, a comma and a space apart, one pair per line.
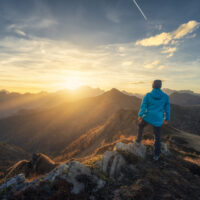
157, 84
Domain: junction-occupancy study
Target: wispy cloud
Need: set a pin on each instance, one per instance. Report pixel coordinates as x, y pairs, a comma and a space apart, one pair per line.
152, 65
165, 38
169, 50
171, 38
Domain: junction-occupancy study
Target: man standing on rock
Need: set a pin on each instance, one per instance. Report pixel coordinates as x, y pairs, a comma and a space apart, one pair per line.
154, 110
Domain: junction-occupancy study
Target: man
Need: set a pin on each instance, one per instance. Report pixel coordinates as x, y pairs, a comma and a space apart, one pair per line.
154, 110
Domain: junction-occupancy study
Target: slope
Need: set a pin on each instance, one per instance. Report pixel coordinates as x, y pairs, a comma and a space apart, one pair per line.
50, 130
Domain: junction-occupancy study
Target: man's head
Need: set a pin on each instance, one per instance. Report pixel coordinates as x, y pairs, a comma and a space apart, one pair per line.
157, 84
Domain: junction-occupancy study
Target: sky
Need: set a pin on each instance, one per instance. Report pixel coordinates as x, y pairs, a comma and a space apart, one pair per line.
56, 44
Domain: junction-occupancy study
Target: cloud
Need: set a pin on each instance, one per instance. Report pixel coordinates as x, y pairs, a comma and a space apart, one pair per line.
169, 50
185, 29
165, 38
20, 32
16, 29
161, 67
141, 82
152, 65
161, 39
127, 63
192, 36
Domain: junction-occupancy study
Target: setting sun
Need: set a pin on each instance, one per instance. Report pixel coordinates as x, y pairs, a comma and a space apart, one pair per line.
73, 83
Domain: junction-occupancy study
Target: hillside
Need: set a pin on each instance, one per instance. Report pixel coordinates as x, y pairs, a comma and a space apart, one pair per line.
9, 154
123, 172
122, 124
105, 164
186, 118
185, 99
51, 130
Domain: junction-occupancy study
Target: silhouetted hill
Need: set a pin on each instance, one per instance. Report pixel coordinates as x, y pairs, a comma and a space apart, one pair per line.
185, 99
170, 91
51, 130
38, 165
9, 154
186, 118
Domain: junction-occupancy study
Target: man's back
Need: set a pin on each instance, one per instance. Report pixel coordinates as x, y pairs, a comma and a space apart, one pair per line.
154, 105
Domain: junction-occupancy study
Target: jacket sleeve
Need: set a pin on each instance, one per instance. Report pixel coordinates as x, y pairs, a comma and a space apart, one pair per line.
143, 107
167, 110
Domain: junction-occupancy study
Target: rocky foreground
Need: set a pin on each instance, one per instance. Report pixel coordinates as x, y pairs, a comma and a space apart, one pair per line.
126, 173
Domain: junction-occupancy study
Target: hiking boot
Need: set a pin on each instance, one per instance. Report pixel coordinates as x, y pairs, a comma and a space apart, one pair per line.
156, 158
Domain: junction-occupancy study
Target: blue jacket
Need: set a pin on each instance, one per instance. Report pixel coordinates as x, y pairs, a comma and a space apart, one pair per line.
155, 107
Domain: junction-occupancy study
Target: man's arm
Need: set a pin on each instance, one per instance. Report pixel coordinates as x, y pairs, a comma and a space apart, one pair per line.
143, 107
167, 110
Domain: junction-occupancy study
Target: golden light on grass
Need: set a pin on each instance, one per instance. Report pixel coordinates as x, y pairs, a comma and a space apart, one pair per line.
194, 161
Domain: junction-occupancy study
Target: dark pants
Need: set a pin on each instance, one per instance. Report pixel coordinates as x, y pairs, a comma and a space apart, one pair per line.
157, 132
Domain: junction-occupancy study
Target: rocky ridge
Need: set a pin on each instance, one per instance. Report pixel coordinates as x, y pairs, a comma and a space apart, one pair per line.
127, 172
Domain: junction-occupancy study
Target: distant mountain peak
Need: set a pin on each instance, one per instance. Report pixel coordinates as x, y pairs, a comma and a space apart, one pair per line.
114, 90
114, 93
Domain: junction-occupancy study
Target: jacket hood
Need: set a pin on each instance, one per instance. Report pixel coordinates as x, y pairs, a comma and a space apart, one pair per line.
157, 93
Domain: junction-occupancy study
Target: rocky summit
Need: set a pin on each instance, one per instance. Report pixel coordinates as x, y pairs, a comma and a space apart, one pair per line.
125, 173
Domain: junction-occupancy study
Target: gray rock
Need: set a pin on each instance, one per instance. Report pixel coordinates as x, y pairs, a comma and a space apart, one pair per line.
14, 182
112, 163
138, 150
70, 172
164, 149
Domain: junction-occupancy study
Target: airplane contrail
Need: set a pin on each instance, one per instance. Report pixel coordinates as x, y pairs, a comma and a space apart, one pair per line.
134, 1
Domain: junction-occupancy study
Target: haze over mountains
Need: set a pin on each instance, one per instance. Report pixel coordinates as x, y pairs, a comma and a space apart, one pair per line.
12, 102
51, 129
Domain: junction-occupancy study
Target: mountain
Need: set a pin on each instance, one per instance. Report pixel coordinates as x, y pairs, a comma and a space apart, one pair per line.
101, 162
9, 154
11, 102
184, 99
133, 94
186, 118
170, 91
122, 124
51, 130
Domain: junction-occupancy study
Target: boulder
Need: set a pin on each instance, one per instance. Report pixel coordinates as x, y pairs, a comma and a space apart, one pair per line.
72, 172
111, 163
13, 182
133, 148
164, 149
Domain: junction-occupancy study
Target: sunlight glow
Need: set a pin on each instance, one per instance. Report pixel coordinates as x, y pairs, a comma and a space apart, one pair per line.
73, 83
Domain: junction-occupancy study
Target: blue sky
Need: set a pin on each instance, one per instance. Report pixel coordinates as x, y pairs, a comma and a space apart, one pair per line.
50, 44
